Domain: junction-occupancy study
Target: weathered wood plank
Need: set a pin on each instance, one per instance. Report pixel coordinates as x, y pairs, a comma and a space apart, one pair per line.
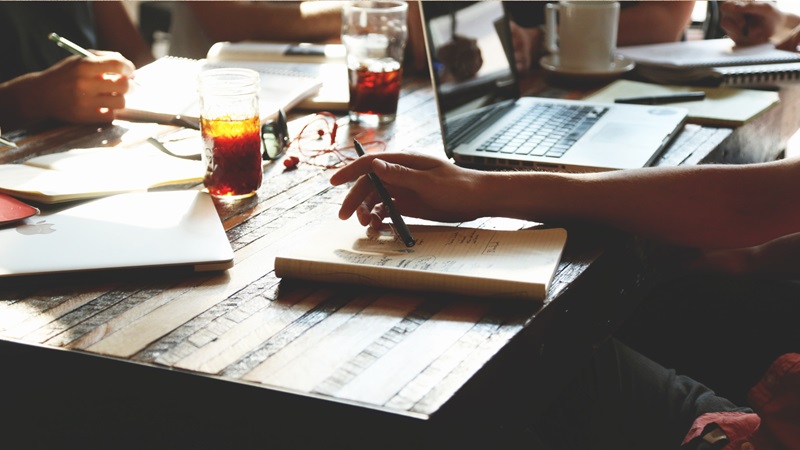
382, 380
301, 365
252, 333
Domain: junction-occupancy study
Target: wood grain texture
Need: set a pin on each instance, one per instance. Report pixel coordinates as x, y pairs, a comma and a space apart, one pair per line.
408, 353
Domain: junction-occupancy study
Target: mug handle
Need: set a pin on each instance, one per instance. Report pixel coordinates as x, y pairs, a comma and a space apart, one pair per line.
551, 27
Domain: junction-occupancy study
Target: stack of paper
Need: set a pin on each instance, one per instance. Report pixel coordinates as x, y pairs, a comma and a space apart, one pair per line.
713, 62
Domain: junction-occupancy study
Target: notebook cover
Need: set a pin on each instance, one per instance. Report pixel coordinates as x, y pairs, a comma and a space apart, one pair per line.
12, 210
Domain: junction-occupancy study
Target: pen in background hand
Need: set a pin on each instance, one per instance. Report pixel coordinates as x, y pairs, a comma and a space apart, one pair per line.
397, 219
663, 99
70, 46
76, 49
7, 142
746, 27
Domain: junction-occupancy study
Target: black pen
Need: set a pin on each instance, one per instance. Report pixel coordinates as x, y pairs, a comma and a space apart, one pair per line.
397, 219
662, 99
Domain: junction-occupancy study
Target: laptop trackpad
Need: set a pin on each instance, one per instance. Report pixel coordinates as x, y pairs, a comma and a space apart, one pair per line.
626, 133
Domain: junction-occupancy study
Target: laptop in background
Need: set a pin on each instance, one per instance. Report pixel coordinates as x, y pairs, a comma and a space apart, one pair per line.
486, 124
133, 230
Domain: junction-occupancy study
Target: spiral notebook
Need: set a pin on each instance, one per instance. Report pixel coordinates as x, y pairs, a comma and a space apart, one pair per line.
714, 62
168, 87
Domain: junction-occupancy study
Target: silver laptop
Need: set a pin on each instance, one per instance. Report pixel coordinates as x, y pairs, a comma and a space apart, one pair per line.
486, 124
134, 230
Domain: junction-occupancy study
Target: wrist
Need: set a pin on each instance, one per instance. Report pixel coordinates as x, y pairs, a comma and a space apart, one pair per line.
20, 100
517, 195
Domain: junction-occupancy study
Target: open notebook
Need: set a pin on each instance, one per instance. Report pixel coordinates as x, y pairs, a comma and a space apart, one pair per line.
515, 264
714, 62
168, 87
134, 230
84, 173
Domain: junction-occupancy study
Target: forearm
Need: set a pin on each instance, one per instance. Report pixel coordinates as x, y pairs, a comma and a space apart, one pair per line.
705, 206
653, 22
117, 32
20, 102
281, 21
787, 23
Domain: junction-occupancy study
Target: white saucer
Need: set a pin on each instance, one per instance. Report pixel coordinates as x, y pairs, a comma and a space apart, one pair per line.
620, 65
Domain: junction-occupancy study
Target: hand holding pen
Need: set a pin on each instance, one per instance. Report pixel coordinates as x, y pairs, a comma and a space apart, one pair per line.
87, 89
6, 142
749, 23
388, 203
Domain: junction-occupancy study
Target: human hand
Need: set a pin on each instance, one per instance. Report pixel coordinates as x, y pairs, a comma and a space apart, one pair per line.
775, 257
791, 41
749, 23
421, 186
83, 90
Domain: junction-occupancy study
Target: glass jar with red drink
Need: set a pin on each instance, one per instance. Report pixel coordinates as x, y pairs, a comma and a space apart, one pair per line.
230, 126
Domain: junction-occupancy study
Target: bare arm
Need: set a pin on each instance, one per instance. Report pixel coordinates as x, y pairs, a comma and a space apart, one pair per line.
750, 23
710, 206
116, 31
74, 90
311, 21
653, 22
779, 256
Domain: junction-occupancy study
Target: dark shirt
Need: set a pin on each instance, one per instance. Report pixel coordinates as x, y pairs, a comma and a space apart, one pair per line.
24, 27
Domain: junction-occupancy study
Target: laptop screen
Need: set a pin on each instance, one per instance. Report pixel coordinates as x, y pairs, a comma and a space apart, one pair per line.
471, 60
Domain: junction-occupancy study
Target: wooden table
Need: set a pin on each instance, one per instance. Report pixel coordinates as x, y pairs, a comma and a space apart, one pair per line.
262, 356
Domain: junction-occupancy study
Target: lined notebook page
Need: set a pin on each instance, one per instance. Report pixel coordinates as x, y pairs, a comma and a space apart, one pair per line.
447, 259
168, 86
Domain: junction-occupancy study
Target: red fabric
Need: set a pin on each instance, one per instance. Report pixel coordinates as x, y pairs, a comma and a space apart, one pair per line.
776, 423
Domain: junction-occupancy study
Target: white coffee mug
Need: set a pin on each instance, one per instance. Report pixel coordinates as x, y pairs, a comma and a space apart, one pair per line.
582, 34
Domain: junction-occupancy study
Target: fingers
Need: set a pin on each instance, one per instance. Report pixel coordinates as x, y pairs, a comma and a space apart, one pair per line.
749, 23
362, 194
362, 198
364, 165
86, 90
791, 42
109, 62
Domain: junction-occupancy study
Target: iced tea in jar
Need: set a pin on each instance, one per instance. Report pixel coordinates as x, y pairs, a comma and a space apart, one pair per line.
374, 36
230, 126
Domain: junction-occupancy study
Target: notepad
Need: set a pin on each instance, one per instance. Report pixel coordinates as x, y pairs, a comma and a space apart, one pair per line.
727, 107
323, 62
714, 62
97, 172
13, 210
168, 87
706, 53
499, 264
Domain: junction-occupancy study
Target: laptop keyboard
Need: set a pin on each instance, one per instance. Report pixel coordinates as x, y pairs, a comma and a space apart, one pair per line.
544, 130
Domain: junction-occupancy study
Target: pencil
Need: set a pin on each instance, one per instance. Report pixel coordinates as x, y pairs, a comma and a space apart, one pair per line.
397, 219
